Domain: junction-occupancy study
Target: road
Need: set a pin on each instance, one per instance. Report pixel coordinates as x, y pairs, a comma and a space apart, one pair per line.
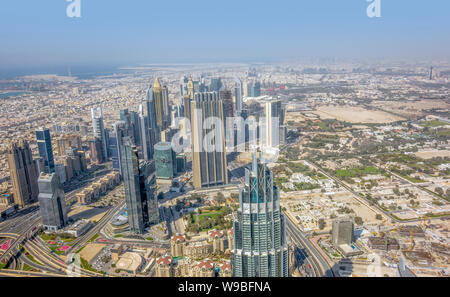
312, 257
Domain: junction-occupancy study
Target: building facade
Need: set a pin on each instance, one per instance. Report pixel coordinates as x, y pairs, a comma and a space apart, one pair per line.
23, 172
209, 164
99, 129
44, 143
51, 202
260, 247
137, 207
165, 161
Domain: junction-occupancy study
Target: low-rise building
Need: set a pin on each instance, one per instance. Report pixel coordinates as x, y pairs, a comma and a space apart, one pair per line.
177, 245
79, 228
130, 263
203, 268
217, 238
198, 249
164, 266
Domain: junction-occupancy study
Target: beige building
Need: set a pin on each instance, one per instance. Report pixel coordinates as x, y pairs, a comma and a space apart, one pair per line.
225, 269
130, 263
217, 238
198, 249
203, 268
230, 237
177, 245
204, 106
23, 172
164, 266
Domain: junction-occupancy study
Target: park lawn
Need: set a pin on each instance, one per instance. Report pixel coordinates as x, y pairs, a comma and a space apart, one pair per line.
357, 172
211, 214
433, 124
444, 132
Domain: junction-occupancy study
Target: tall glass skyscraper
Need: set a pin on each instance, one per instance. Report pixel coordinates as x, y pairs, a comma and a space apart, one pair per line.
99, 129
238, 94
260, 248
137, 205
44, 143
152, 126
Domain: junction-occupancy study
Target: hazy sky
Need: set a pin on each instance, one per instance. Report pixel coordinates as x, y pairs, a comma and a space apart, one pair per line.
34, 33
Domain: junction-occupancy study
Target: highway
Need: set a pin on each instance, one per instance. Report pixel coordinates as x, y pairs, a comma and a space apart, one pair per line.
312, 257
81, 241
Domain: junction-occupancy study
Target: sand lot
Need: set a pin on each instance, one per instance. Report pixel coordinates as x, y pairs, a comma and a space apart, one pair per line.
91, 250
353, 114
432, 154
411, 109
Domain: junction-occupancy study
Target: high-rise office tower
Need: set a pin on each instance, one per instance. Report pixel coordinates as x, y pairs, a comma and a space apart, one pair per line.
260, 248
431, 73
254, 89
153, 128
159, 104
238, 96
99, 129
183, 86
228, 112
166, 106
95, 148
44, 143
114, 150
273, 115
216, 84
23, 172
148, 190
126, 117
120, 131
209, 163
51, 202
144, 132
165, 161
137, 205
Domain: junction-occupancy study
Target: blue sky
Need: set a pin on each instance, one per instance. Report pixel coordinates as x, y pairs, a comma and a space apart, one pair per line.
35, 33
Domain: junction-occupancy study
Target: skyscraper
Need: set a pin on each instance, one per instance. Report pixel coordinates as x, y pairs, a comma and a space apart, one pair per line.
147, 151
44, 143
51, 202
95, 147
137, 205
270, 136
228, 112
152, 125
260, 248
238, 96
159, 104
165, 161
23, 172
253, 89
99, 129
216, 84
209, 163
120, 131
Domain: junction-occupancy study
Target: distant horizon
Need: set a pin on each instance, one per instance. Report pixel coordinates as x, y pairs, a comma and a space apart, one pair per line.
40, 34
